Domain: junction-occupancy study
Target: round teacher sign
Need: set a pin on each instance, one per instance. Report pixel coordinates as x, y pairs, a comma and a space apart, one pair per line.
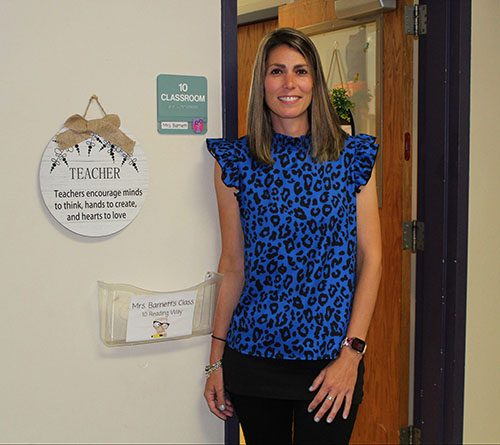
93, 176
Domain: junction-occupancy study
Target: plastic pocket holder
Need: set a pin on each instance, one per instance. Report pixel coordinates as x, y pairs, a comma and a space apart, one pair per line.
129, 315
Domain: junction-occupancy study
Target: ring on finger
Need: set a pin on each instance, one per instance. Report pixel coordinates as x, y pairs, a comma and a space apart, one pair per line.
329, 397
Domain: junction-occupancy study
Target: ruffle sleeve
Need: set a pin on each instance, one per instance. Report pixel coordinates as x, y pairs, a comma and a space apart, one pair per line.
229, 155
364, 154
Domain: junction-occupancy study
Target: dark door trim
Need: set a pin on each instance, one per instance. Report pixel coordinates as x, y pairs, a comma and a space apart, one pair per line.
229, 37
442, 202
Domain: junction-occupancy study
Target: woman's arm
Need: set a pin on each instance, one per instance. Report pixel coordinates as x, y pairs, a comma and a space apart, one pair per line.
339, 377
368, 261
231, 264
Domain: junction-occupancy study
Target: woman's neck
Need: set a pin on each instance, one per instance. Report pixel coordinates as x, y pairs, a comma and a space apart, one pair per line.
291, 127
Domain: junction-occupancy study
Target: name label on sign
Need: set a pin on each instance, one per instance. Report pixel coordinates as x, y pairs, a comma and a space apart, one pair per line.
160, 316
175, 126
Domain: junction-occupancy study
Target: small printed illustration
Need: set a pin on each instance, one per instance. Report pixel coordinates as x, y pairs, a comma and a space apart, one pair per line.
93, 175
198, 125
160, 325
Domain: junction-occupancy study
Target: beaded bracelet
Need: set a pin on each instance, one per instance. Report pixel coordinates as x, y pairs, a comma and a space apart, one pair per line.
209, 369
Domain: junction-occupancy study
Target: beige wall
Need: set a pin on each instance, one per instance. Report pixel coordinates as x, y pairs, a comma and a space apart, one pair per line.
482, 382
58, 382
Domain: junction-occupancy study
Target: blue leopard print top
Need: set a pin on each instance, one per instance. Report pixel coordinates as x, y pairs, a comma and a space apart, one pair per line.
299, 225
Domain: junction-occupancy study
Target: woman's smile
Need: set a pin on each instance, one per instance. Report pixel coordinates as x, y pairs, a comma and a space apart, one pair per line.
289, 98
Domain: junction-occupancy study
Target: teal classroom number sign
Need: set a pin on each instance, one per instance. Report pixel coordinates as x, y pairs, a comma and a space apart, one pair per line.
181, 104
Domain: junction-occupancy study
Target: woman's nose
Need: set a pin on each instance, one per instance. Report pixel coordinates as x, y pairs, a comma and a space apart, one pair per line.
289, 81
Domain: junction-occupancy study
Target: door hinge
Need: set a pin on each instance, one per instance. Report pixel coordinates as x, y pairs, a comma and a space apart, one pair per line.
416, 20
410, 435
413, 235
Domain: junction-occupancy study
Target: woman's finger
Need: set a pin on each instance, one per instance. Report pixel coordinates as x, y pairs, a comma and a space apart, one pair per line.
347, 406
229, 407
221, 399
317, 381
326, 405
320, 396
335, 408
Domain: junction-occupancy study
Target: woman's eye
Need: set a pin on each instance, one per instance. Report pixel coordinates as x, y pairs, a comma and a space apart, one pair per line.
275, 71
302, 71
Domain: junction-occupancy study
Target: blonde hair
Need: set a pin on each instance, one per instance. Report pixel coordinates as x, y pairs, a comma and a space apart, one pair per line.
327, 137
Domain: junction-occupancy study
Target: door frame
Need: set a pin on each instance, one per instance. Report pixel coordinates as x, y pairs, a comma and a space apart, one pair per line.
442, 204
229, 56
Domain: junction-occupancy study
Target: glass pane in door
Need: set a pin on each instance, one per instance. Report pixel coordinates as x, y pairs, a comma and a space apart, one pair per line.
349, 58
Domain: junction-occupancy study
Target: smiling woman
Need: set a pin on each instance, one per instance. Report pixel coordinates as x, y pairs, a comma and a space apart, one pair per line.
300, 257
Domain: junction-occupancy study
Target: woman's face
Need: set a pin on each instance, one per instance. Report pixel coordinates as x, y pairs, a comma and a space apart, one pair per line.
288, 90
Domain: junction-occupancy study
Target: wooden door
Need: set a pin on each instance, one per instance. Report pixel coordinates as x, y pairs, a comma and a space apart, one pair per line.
385, 406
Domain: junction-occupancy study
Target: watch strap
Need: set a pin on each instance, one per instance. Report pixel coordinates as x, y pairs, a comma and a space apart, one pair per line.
355, 343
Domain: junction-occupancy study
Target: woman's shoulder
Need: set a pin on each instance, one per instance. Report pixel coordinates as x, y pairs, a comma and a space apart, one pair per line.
360, 145
360, 140
232, 155
361, 150
234, 149
227, 143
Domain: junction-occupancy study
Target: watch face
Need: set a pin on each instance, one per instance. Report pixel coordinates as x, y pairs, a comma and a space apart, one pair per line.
358, 345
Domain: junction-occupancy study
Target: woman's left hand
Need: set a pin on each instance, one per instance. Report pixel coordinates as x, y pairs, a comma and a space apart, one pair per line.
336, 382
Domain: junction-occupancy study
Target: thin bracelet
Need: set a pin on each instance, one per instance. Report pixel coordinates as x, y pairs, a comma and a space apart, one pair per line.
218, 338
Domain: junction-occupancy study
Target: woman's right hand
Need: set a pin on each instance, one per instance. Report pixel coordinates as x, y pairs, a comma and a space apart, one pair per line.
218, 403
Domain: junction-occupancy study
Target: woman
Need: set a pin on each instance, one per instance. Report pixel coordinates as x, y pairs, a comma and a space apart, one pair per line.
301, 257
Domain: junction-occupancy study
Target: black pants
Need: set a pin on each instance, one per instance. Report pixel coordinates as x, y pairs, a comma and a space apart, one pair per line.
269, 421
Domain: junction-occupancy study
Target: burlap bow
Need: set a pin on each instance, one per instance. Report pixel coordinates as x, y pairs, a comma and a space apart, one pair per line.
80, 129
